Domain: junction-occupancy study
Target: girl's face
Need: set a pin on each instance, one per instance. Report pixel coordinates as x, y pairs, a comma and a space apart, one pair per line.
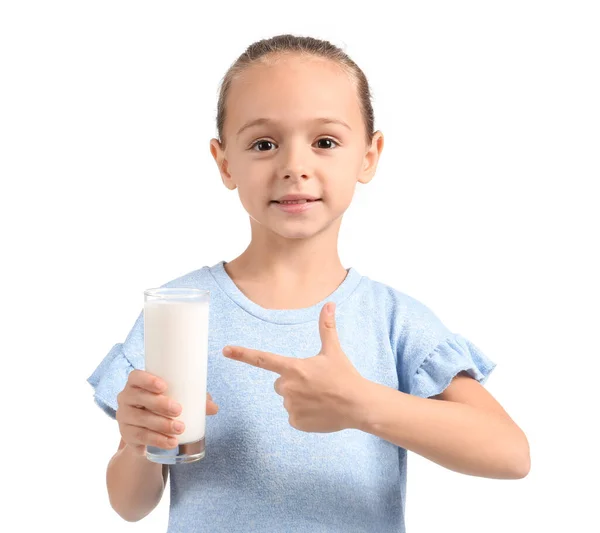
292, 150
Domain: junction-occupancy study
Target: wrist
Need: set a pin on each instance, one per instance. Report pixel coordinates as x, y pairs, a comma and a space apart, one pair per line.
363, 397
135, 453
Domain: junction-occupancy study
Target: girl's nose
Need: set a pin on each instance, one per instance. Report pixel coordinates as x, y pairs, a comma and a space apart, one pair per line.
293, 159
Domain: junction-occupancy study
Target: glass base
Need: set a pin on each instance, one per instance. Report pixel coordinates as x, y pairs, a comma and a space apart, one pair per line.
184, 453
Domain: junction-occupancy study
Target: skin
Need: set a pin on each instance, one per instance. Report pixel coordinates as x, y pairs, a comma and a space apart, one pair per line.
292, 260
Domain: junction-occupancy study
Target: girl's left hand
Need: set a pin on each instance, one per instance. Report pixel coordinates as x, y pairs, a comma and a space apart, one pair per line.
323, 393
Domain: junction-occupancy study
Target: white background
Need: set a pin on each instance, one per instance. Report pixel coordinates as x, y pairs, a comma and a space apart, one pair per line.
482, 208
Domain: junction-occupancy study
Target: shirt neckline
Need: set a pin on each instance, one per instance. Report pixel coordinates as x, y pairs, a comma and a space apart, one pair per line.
283, 316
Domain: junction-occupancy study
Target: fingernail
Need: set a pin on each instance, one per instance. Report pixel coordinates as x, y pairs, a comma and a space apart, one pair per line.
227, 350
175, 408
178, 426
330, 308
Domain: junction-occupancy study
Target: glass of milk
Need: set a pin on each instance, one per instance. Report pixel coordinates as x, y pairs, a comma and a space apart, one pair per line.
176, 350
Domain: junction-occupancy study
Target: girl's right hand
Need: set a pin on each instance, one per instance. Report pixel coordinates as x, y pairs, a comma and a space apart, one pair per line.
145, 414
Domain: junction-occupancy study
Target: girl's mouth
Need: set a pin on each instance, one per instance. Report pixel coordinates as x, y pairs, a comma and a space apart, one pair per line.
296, 201
296, 206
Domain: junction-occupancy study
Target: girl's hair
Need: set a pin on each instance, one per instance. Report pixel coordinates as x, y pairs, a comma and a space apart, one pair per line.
270, 49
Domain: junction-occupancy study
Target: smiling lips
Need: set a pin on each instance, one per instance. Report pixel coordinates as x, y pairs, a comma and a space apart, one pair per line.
296, 203
296, 206
289, 198
285, 202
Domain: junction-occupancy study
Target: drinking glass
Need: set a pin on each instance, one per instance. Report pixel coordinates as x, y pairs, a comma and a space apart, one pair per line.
176, 350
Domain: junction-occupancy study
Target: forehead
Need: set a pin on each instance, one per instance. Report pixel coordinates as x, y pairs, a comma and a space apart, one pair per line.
292, 90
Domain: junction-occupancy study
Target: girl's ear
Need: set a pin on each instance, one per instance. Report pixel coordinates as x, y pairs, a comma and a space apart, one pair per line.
371, 158
219, 156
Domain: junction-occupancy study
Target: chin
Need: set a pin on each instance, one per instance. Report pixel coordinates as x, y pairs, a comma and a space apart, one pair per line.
300, 233
304, 230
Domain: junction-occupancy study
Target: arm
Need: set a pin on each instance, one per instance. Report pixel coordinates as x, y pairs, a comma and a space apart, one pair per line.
135, 485
463, 429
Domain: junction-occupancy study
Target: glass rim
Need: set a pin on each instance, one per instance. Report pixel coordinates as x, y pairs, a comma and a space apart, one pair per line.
180, 292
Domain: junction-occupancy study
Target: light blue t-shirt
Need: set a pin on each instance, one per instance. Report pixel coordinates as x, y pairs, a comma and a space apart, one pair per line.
262, 475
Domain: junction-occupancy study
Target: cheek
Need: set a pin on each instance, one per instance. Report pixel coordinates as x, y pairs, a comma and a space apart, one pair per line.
348, 194
340, 191
253, 194
250, 200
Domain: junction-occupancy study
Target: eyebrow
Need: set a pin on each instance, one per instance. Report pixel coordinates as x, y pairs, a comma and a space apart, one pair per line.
260, 121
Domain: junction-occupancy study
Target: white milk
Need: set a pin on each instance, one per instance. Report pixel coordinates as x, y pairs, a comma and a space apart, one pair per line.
176, 350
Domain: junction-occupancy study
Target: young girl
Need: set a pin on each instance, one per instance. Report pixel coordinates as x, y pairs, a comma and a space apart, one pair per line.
317, 406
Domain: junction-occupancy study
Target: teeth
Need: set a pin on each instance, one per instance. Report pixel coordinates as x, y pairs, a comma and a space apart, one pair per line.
294, 201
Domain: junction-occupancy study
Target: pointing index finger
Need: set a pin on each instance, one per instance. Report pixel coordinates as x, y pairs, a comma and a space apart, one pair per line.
267, 360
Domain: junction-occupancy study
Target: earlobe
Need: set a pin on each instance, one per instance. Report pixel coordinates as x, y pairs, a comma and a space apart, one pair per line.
365, 178
226, 177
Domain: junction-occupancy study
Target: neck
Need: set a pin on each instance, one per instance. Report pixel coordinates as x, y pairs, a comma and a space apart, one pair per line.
270, 256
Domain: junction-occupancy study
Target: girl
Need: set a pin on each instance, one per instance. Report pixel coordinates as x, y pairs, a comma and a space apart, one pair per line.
365, 372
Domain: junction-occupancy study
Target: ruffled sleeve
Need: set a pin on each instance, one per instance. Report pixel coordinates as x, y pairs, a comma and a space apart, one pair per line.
110, 377
445, 361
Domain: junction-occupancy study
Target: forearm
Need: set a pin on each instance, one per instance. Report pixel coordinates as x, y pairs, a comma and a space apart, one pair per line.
135, 484
456, 436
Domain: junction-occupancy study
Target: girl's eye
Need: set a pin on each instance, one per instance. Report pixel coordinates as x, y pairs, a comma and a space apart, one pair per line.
328, 140
264, 142
261, 142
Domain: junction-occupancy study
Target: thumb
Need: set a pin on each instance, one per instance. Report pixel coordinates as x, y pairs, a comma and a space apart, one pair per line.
330, 341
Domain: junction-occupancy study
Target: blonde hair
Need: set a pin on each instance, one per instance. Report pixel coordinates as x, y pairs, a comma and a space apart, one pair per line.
269, 49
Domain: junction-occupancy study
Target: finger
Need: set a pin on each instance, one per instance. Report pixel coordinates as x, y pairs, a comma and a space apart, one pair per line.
327, 330
212, 408
147, 419
277, 386
144, 380
136, 435
157, 403
267, 360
